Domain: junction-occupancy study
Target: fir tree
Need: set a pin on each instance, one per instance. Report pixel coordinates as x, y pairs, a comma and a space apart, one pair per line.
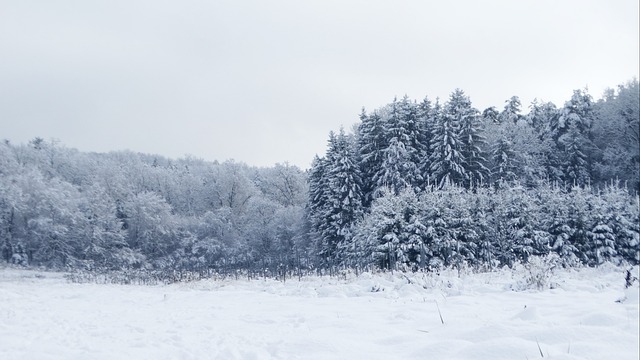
447, 162
426, 114
540, 115
504, 164
395, 167
400, 165
472, 144
318, 193
575, 164
344, 197
372, 142
393, 232
491, 115
511, 112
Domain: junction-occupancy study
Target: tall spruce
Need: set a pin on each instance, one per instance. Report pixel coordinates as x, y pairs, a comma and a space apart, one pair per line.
426, 116
400, 165
447, 161
344, 197
372, 141
472, 144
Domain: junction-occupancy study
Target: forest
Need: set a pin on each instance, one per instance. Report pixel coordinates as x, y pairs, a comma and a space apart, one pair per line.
414, 185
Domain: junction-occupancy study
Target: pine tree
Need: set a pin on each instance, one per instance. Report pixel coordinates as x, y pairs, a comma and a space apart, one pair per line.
580, 219
472, 144
511, 112
575, 162
400, 165
372, 142
318, 198
540, 115
447, 161
395, 167
558, 224
343, 196
426, 115
621, 214
440, 240
430, 122
603, 240
412, 135
464, 229
393, 232
491, 115
504, 165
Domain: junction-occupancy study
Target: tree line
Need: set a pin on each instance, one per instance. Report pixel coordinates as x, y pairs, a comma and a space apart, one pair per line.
419, 183
62, 208
415, 185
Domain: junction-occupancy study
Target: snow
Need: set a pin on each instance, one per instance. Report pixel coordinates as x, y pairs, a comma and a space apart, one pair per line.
373, 316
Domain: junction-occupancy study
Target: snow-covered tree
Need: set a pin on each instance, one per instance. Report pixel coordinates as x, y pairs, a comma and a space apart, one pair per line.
150, 225
558, 224
616, 136
472, 144
342, 197
504, 163
447, 161
511, 112
575, 162
540, 115
426, 112
400, 165
372, 142
392, 234
579, 111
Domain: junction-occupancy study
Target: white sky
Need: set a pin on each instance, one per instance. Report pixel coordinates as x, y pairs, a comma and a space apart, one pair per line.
265, 81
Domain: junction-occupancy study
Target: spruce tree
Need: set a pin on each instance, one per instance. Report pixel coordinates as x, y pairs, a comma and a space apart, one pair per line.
575, 164
472, 144
447, 161
511, 112
400, 166
344, 197
426, 115
318, 193
372, 142
503, 159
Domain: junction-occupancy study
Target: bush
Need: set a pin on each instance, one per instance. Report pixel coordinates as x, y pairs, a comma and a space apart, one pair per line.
537, 273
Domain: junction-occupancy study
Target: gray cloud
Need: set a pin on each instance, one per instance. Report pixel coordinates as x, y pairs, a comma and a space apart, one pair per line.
265, 81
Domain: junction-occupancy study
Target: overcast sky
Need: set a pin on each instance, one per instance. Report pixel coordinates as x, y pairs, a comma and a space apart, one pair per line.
265, 81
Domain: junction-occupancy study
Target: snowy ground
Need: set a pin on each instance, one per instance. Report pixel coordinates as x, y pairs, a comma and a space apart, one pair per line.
44, 317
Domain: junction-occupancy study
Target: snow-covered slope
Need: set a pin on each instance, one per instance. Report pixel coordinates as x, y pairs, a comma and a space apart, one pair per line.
379, 316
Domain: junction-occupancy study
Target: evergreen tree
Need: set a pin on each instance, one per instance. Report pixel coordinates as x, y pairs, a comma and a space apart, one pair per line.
616, 136
504, 165
580, 203
491, 115
440, 239
393, 232
396, 167
603, 241
343, 197
400, 164
621, 213
558, 224
511, 112
464, 229
447, 161
318, 190
426, 115
575, 162
372, 142
540, 115
472, 144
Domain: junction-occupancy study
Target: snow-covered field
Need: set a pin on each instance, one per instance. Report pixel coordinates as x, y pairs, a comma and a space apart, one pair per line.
380, 316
